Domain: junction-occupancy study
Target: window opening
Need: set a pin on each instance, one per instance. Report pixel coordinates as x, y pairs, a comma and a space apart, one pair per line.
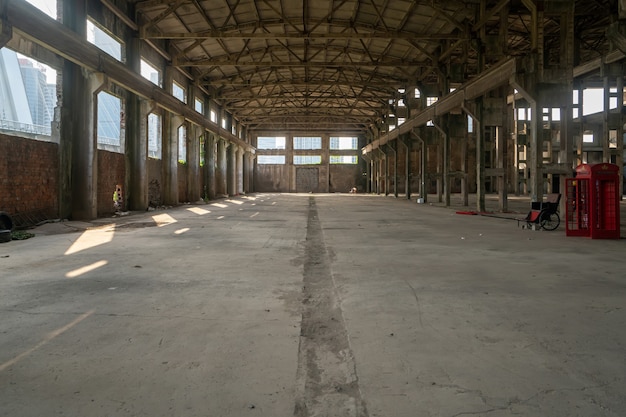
49, 7
154, 136
179, 92
307, 142
150, 72
109, 122
344, 143
28, 94
344, 159
267, 142
307, 159
199, 105
103, 40
270, 159
182, 144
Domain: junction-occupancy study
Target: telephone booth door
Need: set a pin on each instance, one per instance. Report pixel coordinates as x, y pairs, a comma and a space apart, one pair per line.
577, 207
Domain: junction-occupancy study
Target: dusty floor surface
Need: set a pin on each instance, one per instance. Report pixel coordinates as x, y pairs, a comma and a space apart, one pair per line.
311, 305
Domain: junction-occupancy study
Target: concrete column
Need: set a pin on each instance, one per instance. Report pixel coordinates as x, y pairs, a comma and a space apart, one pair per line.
239, 170
501, 143
386, 172
438, 150
464, 154
480, 156
406, 141
231, 175
220, 173
369, 173
535, 162
77, 145
209, 165
247, 164
620, 133
444, 179
137, 112
606, 151
171, 123
193, 163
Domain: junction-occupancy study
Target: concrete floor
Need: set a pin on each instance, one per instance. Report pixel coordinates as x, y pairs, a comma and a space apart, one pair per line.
311, 305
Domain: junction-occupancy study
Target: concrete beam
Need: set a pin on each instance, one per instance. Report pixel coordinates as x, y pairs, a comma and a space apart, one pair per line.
487, 81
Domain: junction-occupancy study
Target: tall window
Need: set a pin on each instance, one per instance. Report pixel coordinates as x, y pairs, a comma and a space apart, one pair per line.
198, 105
150, 72
182, 144
109, 122
154, 136
213, 116
103, 40
307, 142
179, 92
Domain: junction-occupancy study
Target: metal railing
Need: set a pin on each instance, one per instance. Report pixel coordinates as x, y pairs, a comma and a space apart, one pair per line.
25, 127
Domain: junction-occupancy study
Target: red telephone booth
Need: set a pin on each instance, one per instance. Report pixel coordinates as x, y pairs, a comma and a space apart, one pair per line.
592, 207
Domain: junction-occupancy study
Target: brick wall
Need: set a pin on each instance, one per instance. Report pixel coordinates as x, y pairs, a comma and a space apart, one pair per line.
111, 171
155, 182
182, 183
29, 172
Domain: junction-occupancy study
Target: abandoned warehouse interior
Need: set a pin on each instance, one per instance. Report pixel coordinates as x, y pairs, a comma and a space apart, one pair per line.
235, 127
177, 102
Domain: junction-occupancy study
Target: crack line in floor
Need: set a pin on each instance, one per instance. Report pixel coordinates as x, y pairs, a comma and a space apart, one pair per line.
326, 379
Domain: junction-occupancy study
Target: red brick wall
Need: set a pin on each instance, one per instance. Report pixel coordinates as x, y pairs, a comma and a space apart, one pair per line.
111, 171
29, 173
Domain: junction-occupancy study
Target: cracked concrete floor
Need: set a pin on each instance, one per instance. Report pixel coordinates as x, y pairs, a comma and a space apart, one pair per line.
311, 305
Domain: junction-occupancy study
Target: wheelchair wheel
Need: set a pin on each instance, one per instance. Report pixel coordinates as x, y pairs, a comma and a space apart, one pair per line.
550, 221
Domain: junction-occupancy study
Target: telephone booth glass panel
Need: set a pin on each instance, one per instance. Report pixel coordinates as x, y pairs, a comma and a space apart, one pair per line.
577, 207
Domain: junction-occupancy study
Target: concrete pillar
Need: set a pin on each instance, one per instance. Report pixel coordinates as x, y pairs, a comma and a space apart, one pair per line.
439, 158
406, 142
620, 132
443, 179
239, 170
77, 146
193, 163
171, 123
220, 173
247, 167
209, 165
535, 162
231, 171
501, 143
480, 156
464, 155
137, 112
